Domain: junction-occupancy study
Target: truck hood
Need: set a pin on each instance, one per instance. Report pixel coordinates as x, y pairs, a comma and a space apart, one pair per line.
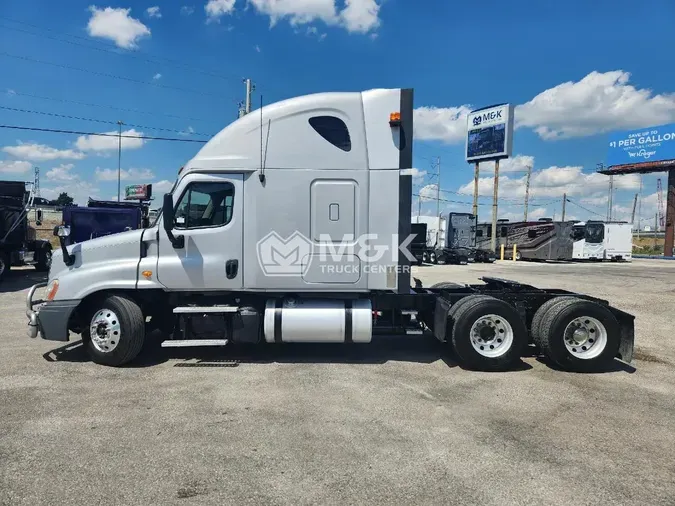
104, 260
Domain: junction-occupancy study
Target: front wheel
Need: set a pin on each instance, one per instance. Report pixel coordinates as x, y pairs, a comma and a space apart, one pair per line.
433, 258
44, 260
4, 265
114, 331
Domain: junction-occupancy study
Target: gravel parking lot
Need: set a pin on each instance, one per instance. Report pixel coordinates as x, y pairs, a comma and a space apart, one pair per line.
394, 422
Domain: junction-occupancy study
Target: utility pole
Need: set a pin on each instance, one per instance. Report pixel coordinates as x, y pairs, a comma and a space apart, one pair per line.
656, 228
527, 190
495, 194
564, 202
419, 208
609, 198
475, 190
119, 160
632, 216
438, 198
36, 183
639, 210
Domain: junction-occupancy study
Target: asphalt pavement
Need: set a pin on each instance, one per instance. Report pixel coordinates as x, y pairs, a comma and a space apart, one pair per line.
393, 422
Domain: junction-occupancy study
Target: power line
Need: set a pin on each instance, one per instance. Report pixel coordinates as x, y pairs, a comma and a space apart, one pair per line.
584, 208
53, 130
110, 49
112, 76
102, 121
123, 109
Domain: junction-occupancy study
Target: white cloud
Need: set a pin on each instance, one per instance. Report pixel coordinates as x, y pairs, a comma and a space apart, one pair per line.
215, 9
428, 192
162, 186
187, 10
132, 174
518, 163
357, 16
14, 166
78, 189
360, 16
188, 131
157, 76
117, 25
552, 182
257, 48
42, 152
109, 143
446, 124
598, 103
417, 174
153, 12
62, 172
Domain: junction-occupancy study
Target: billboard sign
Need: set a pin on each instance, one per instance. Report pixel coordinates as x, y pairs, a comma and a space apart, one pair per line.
653, 144
138, 192
489, 133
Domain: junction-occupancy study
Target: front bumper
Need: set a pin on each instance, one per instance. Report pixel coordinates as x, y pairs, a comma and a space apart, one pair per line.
50, 318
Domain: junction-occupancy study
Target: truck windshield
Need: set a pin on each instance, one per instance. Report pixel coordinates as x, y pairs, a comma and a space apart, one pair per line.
578, 232
595, 232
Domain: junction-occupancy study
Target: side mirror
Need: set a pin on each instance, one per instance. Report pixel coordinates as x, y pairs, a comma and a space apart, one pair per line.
167, 222
63, 232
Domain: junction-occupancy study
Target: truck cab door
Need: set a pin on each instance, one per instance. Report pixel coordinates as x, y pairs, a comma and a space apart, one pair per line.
208, 211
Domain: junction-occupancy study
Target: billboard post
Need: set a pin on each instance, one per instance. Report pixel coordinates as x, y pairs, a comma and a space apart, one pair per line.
489, 137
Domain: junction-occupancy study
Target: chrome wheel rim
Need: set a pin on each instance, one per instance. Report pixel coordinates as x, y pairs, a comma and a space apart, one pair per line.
585, 337
491, 336
48, 259
105, 330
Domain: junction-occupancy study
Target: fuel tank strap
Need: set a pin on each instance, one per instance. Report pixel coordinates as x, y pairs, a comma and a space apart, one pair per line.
348, 322
277, 320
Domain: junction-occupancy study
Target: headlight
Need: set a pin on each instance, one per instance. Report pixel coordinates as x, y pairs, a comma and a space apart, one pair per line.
51, 289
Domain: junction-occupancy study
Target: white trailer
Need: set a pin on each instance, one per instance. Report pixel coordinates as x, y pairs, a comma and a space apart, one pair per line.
292, 225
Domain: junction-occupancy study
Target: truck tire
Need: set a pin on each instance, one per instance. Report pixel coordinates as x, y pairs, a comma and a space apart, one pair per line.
425, 257
44, 261
447, 284
4, 265
535, 328
114, 330
488, 334
433, 259
580, 335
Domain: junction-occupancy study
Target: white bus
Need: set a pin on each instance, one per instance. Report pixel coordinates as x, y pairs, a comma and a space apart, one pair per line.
597, 240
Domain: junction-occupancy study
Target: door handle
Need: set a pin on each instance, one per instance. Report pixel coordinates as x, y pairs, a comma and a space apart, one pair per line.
231, 268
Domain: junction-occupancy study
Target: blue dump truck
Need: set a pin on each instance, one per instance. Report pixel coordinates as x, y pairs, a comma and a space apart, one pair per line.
101, 218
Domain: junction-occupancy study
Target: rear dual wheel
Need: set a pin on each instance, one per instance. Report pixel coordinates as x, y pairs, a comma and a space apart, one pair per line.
576, 334
487, 333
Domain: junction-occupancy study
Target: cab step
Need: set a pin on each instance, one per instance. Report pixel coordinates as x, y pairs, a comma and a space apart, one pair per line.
204, 309
186, 343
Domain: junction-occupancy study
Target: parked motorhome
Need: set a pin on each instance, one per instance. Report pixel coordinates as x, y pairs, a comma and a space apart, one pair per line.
543, 239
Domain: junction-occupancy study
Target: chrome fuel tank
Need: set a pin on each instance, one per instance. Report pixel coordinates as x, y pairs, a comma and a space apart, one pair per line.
318, 321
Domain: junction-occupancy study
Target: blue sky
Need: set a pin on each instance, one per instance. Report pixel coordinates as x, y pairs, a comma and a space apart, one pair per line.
576, 70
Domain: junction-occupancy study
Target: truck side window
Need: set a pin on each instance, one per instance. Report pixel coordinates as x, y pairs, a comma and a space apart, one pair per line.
479, 233
504, 232
532, 234
205, 205
333, 129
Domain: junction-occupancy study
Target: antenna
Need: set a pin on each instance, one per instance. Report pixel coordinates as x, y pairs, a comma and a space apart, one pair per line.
261, 176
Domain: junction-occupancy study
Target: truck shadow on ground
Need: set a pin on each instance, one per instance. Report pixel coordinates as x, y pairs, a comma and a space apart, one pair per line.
424, 350
18, 280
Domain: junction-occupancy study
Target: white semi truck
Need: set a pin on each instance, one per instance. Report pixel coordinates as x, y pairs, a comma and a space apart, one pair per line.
292, 225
